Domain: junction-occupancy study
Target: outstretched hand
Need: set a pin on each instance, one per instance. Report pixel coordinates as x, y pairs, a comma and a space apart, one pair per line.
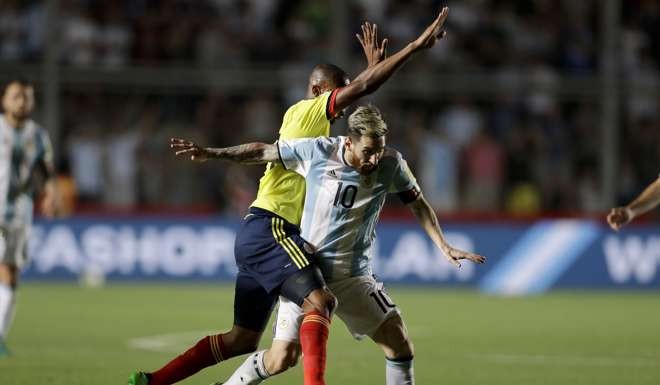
373, 51
433, 32
455, 255
188, 148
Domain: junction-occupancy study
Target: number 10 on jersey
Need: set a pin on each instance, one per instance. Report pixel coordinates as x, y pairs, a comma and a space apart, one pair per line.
345, 196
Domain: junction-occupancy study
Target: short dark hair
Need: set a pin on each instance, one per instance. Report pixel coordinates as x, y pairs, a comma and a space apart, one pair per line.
21, 81
330, 73
367, 121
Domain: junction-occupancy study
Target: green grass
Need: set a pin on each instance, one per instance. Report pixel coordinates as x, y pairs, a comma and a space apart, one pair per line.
67, 335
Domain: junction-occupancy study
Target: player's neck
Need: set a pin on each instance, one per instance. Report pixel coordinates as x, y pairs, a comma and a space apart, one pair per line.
348, 157
14, 122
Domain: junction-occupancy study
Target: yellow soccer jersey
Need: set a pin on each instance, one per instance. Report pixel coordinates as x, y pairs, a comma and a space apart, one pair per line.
282, 191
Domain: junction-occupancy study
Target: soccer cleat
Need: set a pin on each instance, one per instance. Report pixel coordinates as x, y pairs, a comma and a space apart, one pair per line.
138, 378
4, 350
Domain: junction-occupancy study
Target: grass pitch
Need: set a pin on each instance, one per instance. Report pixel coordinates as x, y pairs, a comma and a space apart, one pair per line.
67, 335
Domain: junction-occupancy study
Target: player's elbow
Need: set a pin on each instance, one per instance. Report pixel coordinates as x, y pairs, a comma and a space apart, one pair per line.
366, 86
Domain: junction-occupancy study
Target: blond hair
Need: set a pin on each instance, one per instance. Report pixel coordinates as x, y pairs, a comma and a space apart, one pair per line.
367, 121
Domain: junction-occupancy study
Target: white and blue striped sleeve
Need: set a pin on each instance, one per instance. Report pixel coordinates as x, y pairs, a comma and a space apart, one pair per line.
297, 154
404, 183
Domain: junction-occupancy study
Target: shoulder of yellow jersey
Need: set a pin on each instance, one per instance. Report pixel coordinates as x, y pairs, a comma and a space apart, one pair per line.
307, 118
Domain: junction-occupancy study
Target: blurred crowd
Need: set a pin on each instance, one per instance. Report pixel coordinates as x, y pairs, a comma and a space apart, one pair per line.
517, 149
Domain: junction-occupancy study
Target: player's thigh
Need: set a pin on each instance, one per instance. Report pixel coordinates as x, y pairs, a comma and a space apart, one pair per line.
252, 303
392, 336
270, 250
363, 305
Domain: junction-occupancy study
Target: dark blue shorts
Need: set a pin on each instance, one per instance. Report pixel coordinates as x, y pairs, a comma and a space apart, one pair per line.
268, 251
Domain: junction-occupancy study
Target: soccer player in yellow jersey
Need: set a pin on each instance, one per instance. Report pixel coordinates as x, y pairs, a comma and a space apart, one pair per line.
271, 256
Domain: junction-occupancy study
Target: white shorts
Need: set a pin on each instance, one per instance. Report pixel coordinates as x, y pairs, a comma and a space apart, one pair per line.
363, 307
13, 246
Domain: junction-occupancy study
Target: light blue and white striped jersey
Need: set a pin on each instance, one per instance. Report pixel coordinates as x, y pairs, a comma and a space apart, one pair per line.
341, 206
22, 152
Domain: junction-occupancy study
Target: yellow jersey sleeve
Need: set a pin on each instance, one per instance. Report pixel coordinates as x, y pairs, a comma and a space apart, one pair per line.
281, 191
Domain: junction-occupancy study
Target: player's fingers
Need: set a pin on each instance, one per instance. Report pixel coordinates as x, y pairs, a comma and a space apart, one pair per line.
176, 140
185, 151
359, 38
612, 216
179, 140
436, 26
383, 48
374, 33
181, 143
443, 15
179, 147
437, 20
477, 258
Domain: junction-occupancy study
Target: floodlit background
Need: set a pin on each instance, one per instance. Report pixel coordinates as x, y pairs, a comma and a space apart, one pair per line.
524, 126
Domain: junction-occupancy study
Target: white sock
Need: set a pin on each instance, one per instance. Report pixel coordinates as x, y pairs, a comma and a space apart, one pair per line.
399, 372
251, 372
7, 304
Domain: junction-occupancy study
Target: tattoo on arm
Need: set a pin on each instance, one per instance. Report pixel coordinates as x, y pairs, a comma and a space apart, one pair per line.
251, 153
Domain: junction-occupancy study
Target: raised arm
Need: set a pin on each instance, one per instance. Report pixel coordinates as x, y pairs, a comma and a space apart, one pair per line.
429, 222
250, 153
374, 76
646, 201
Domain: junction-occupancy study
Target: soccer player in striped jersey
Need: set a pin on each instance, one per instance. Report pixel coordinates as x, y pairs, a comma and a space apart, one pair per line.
645, 202
26, 170
272, 258
347, 180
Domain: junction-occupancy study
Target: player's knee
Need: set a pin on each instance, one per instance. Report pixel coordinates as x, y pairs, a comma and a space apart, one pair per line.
330, 302
321, 300
240, 341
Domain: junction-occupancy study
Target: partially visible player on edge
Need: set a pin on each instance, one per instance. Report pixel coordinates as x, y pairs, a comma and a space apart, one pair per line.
645, 202
272, 258
347, 180
26, 171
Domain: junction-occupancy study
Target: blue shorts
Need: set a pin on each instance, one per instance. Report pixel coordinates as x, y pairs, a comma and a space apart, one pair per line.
268, 251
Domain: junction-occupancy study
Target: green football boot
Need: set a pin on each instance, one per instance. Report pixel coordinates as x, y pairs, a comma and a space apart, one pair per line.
138, 378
